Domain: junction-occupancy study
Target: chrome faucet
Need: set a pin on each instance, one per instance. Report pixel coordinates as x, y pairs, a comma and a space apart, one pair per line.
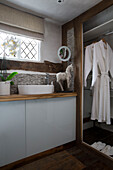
47, 78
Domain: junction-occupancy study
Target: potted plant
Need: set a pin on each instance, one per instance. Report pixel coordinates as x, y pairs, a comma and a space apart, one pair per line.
5, 83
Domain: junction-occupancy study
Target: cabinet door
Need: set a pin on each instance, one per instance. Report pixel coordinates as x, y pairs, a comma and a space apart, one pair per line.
12, 131
36, 126
62, 119
49, 123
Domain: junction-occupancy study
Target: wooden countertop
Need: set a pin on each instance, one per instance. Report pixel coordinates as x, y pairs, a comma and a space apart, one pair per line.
38, 96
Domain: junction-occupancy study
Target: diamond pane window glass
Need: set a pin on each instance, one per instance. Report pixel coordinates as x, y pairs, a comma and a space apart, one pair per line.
19, 48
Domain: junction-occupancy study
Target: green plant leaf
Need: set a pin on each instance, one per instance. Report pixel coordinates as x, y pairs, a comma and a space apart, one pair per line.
2, 77
61, 51
11, 76
12, 83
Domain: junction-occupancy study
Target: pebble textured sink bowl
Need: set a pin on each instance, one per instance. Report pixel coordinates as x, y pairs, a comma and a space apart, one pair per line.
35, 89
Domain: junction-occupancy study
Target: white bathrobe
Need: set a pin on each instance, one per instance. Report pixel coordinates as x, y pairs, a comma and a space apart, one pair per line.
101, 66
88, 62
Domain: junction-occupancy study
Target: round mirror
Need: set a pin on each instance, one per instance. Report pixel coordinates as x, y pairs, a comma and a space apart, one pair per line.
64, 53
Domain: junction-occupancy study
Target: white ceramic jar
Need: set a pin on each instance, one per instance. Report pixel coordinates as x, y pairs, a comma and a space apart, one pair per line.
5, 88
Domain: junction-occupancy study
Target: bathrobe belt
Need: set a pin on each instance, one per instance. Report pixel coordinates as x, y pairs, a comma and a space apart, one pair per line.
105, 74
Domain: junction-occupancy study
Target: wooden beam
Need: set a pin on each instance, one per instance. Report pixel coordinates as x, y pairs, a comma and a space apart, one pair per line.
90, 13
95, 10
78, 64
32, 66
78, 77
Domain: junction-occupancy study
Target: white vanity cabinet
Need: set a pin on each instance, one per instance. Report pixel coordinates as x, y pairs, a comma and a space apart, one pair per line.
49, 123
33, 126
12, 131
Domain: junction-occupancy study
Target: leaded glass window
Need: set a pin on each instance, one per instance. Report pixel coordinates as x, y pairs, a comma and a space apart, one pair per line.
28, 49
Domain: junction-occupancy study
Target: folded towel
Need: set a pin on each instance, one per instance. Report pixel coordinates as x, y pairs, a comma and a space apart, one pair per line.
111, 151
98, 145
107, 150
94, 145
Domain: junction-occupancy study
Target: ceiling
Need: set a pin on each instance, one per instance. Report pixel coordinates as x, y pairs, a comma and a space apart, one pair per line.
60, 13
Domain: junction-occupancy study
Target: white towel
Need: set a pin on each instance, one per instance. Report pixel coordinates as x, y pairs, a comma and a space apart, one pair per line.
106, 150
111, 151
98, 145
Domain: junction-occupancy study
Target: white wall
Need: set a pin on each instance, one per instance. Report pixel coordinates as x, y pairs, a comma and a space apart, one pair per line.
51, 43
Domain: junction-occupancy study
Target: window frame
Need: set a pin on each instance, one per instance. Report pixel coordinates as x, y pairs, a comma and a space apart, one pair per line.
18, 58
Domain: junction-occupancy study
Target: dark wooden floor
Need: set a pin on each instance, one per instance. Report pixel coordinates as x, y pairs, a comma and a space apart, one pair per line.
75, 158
96, 134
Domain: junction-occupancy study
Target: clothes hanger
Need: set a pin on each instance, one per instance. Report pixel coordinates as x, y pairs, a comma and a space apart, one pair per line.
105, 46
104, 40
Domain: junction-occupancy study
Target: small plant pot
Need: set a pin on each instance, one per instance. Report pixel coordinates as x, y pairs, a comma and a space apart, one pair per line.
5, 88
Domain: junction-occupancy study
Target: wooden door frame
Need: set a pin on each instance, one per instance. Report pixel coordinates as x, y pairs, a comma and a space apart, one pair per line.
77, 24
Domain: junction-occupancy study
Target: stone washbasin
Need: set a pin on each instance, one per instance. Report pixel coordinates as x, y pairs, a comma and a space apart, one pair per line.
35, 89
